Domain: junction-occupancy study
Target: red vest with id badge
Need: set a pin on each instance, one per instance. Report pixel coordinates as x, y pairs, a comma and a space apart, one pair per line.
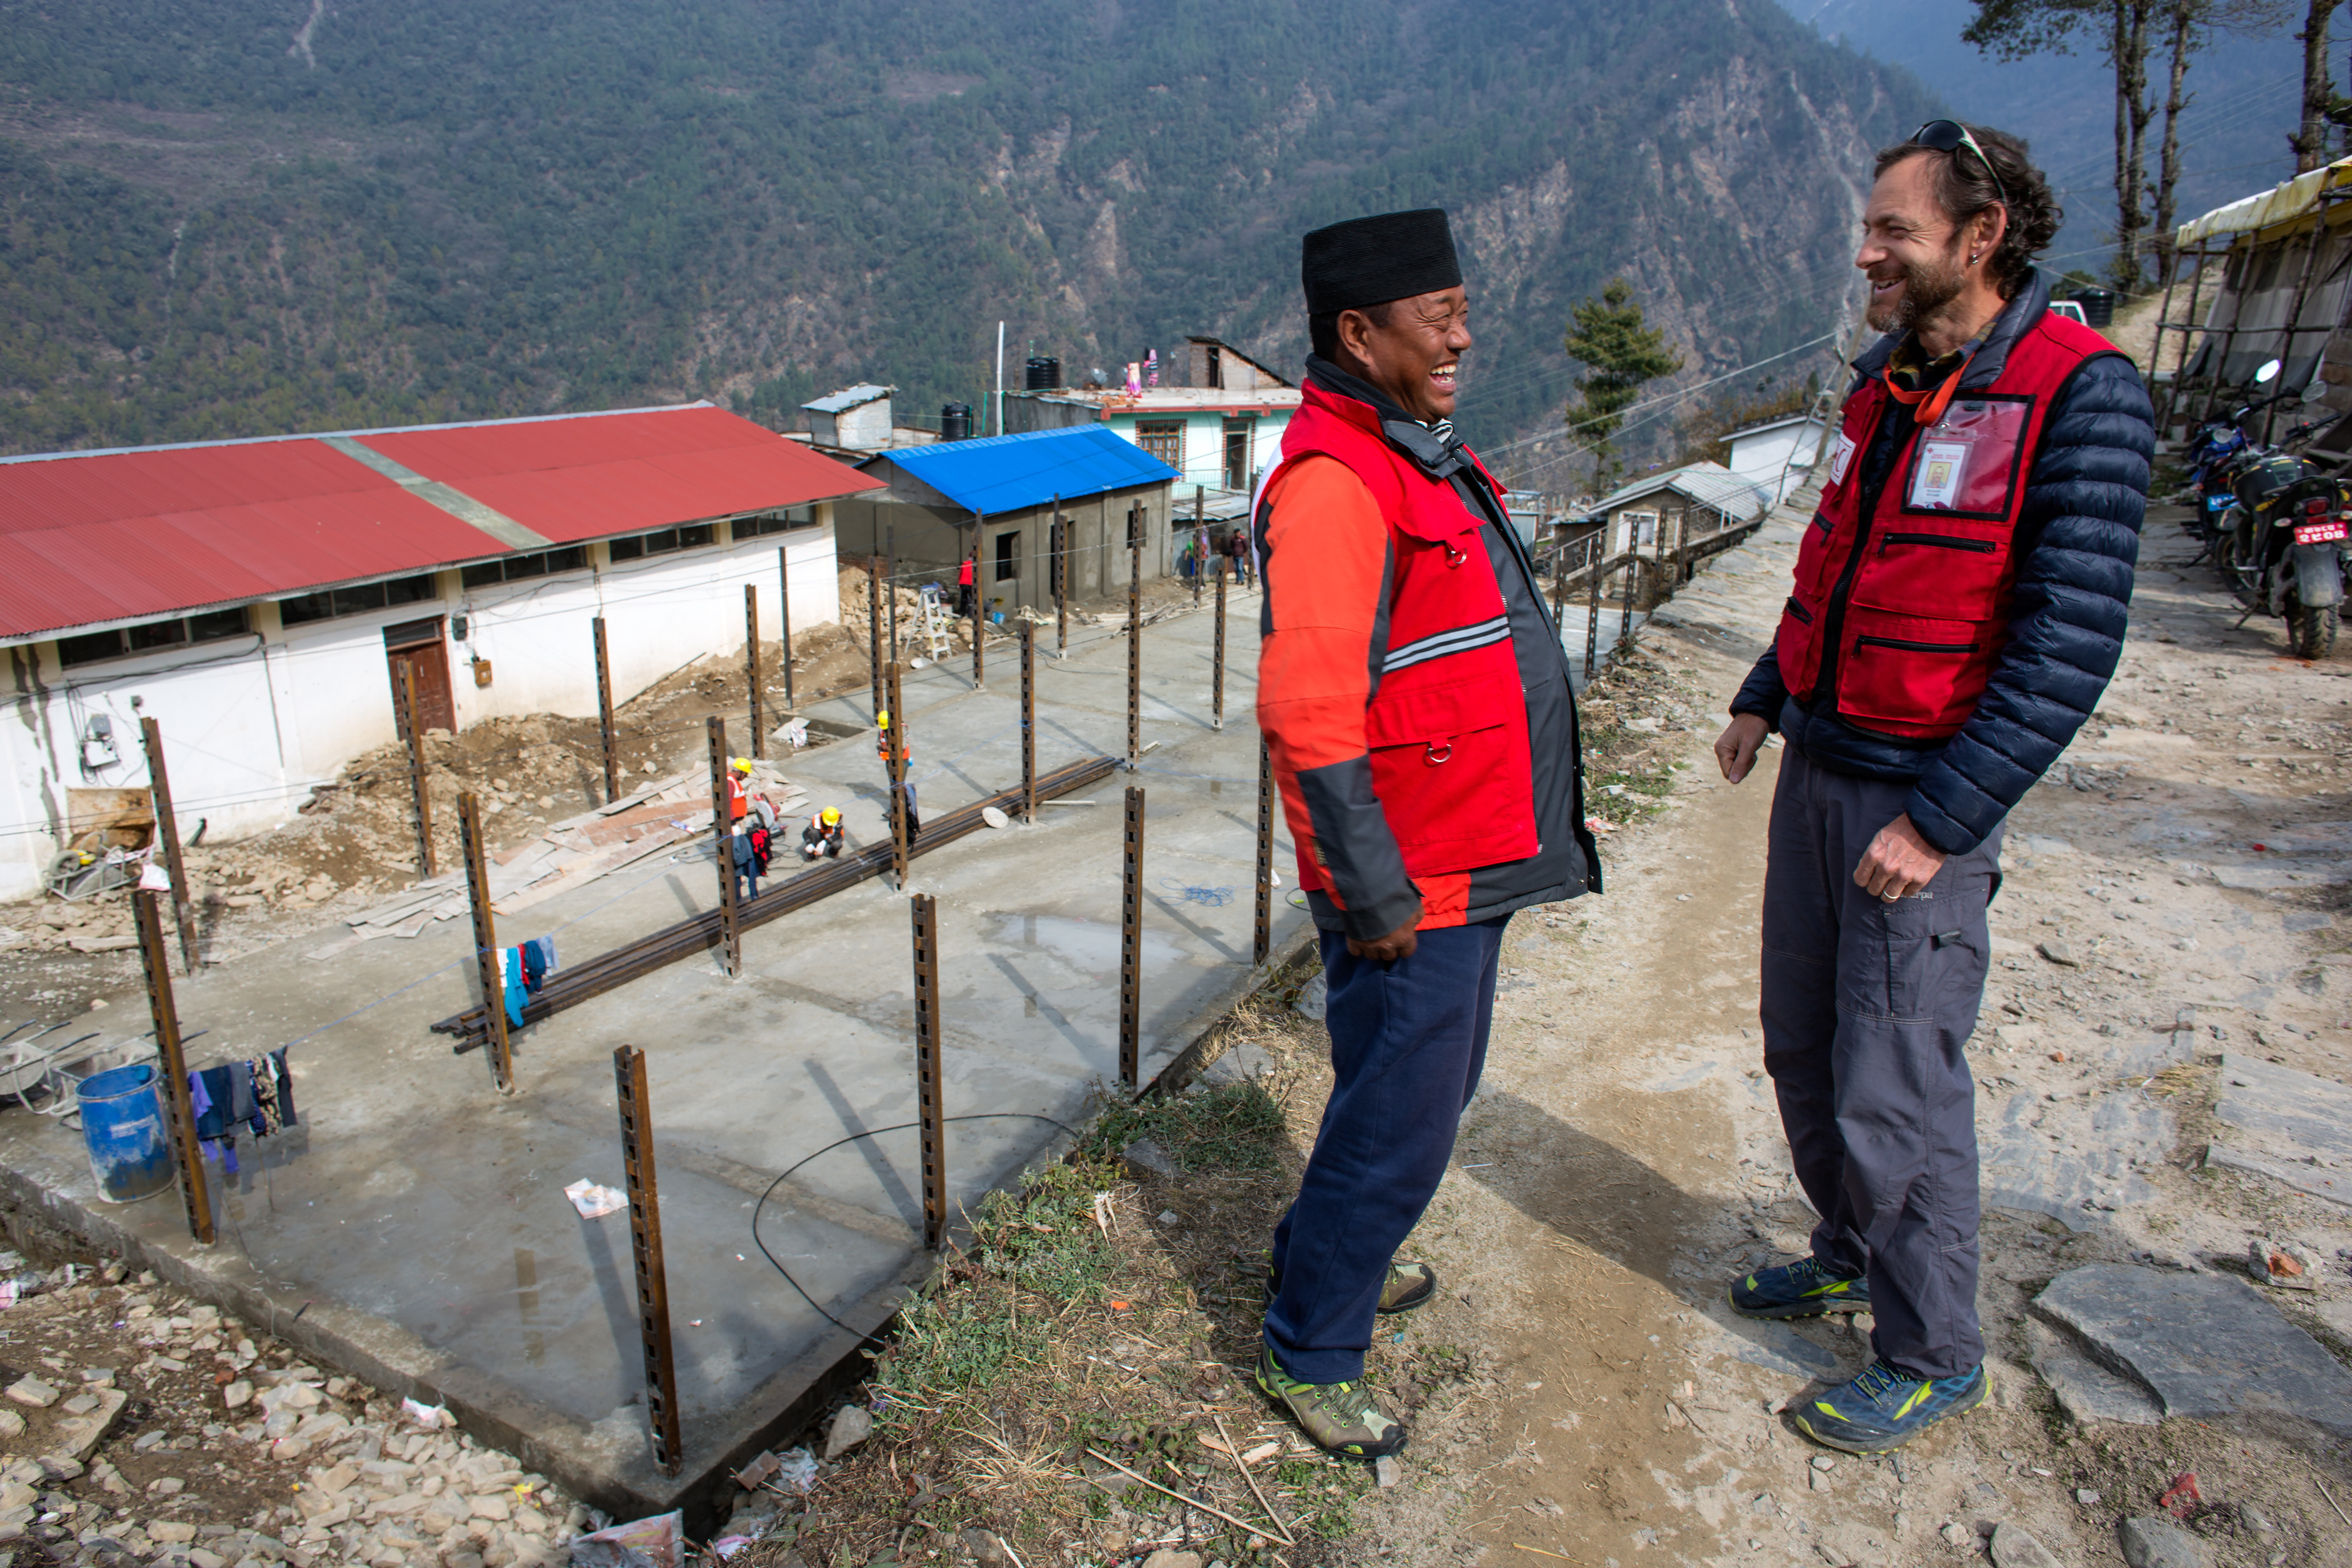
1914, 597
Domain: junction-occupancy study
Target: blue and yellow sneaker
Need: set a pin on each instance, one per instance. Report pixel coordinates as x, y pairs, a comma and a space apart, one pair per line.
1884, 1408
1340, 1417
1805, 1288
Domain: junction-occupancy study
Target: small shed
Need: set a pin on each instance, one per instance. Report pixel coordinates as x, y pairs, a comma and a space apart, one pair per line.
1082, 490
1659, 511
1778, 454
856, 418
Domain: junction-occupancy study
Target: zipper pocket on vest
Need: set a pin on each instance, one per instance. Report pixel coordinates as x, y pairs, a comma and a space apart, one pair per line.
1941, 540
1802, 612
1908, 646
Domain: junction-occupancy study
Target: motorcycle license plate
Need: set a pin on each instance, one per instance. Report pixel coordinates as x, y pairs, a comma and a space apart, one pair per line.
2318, 533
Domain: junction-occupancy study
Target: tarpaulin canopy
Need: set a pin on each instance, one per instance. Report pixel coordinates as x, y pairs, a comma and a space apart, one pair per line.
2268, 209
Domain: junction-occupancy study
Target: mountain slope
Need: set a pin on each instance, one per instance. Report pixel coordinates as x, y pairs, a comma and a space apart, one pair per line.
250, 216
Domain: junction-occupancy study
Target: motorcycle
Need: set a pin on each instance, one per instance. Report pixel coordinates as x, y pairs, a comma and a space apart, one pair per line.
2282, 535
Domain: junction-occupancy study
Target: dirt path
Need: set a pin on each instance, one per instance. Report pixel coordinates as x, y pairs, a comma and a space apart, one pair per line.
1624, 1157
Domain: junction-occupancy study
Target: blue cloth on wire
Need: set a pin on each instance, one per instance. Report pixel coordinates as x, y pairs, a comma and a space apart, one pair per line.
538, 962
510, 969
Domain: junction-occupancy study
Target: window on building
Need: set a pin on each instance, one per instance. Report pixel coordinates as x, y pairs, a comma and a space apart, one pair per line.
639, 545
329, 602
213, 626
1238, 432
516, 568
1008, 556
774, 523
1163, 438
1641, 530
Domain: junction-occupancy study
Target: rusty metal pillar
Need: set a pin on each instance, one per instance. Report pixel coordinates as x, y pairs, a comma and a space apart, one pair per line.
604, 713
978, 607
420, 798
751, 667
873, 633
894, 768
489, 965
929, 1079
1217, 679
1592, 609
722, 820
167, 829
178, 1112
1028, 722
645, 1246
1262, 941
1061, 582
784, 622
1130, 945
890, 587
1134, 638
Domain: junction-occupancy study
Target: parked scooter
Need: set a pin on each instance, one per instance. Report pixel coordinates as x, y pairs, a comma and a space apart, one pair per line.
2282, 536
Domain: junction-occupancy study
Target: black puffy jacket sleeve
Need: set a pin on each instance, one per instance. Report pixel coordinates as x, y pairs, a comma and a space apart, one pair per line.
2085, 500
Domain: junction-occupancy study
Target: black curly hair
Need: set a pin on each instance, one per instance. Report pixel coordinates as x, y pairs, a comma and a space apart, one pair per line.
1963, 189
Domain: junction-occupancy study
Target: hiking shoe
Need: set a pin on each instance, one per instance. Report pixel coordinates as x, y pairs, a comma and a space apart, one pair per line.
1805, 1288
1408, 1286
1884, 1409
1340, 1417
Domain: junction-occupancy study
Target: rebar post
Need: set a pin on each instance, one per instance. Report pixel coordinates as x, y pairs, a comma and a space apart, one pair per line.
751, 667
1217, 665
890, 587
167, 829
784, 622
604, 713
894, 765
1134, 638
978, 613
1262, 941
929, 1079
1593, 610
1061, 584
195, 1196
645, 1246
1028, 722
489, 966
722, 820
1130, 945
420, 798
874, 632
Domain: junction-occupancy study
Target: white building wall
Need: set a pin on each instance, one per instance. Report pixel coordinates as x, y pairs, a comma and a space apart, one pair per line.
250, 725
1779, 457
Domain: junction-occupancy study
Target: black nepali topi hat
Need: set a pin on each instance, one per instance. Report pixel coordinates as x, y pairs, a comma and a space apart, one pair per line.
1370, 260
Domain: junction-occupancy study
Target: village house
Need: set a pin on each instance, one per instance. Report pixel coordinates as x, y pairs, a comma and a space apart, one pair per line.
1660, 511
1778, 453
1219, 431
264, 599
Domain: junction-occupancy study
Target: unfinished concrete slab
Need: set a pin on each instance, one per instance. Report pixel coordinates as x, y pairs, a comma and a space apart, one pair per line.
2292, 1127
414, 1231
2206, 1345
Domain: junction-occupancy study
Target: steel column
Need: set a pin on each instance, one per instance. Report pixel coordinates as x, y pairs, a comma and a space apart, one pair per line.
874, 632
1134, 637
167, 828
604, 713
489, 965
979, 610
1130, 945
178, 1112
1061, 582
1028, 722
890, 587
784, 622
722, 818
1593, 605
420, 797
645, 1246
751, 667
1217, 679
1262, 942
929, 1079
894, 767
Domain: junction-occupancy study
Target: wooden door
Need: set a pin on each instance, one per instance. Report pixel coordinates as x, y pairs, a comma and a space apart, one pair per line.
417, 648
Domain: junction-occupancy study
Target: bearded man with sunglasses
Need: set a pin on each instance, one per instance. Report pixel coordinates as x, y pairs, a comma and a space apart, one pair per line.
1959, 604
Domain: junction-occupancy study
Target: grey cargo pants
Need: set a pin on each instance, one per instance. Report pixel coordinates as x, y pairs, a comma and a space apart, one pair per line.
1867, 1006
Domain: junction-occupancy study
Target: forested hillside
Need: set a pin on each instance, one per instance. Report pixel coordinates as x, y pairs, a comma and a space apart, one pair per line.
245, 217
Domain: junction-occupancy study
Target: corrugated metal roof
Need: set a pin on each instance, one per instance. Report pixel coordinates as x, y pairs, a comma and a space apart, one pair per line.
1709, 484
92, 538
1007, 473
849, 397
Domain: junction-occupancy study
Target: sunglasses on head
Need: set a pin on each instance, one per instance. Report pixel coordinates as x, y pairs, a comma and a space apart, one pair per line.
1949, 136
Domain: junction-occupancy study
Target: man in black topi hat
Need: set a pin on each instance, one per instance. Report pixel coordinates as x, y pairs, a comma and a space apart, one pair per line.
1415, 699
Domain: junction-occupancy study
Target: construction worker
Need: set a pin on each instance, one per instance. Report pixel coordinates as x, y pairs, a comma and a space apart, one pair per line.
882, 734
963, 587
738, 798
821, 838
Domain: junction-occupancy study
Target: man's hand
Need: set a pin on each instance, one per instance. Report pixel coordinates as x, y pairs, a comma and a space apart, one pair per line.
1735, 749
1898, 862
1398, 943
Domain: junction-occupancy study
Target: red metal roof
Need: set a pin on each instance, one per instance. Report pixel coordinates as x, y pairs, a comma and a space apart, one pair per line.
89, 539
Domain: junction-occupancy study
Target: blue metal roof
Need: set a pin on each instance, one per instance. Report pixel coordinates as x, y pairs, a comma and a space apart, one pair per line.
1008, 473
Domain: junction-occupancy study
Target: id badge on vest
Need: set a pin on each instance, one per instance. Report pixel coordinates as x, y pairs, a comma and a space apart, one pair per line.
1965, 465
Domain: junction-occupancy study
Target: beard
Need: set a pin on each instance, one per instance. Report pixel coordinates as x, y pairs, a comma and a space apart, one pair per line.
1927, 288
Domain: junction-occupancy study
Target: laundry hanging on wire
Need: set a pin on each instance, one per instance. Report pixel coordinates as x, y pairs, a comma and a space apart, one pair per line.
255, 1095
524, 969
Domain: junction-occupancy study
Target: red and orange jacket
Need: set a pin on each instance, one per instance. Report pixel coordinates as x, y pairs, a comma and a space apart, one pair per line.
1389, 688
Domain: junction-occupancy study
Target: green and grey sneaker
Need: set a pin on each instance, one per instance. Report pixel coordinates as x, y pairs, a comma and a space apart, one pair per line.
1409, 1285
1340, 1417
1805, 1288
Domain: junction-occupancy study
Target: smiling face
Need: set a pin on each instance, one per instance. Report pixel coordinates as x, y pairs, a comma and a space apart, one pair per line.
1919, 261
1414, 353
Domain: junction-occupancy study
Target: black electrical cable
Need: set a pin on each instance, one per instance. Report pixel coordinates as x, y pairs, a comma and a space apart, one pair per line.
855, 1136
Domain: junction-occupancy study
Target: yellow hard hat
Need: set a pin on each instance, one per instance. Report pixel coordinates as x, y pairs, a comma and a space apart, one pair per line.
742, 764
882, 718
832, 815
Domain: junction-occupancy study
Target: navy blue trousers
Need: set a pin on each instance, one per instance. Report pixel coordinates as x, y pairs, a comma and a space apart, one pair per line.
1408, 1041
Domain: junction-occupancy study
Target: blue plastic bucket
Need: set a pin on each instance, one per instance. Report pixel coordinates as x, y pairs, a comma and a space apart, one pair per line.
123, 1123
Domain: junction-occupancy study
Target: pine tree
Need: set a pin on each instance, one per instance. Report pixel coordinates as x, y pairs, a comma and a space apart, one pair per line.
1620, 354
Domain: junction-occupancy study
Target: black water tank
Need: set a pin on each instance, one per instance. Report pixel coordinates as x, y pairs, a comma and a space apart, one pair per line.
955, 422
1044, 373
2098, 306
